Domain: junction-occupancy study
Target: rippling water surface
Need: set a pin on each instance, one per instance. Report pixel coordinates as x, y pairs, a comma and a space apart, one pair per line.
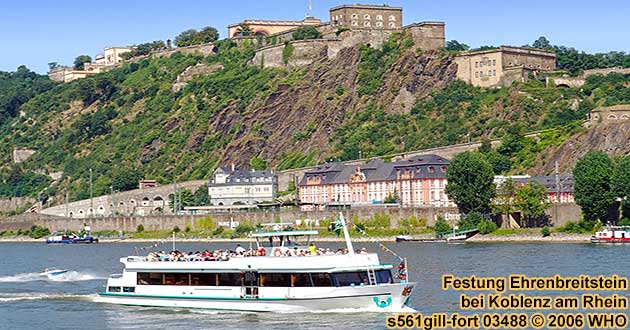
30, 301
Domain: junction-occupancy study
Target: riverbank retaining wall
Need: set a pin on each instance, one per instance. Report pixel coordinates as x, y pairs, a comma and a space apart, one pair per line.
560, 215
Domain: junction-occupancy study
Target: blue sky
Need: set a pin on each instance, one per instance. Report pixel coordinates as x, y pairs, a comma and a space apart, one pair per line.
37, 32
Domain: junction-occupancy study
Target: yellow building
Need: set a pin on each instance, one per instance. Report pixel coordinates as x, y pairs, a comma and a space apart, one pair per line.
267, 28
502, 66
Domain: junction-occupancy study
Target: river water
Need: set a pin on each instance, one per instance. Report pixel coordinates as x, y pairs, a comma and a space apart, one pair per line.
29, 302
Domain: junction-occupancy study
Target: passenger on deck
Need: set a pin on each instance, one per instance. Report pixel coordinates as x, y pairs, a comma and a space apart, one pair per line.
239, 249
312, 249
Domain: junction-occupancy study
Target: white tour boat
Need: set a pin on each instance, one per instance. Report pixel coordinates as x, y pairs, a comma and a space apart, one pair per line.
281, 278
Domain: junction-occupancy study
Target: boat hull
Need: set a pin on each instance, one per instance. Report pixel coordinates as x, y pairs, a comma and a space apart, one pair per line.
610, 240
86, 240
380, 298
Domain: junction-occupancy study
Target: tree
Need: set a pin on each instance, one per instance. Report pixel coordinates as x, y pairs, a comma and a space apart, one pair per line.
79, 62
245, 30
441, 226
542, 43
53, 65
456, 46
621, 184
470, 182
258, 163
531, 200
125, 178
504, 202
307, 32
208, 34
144, 49
191, 37
201, 197
593, 191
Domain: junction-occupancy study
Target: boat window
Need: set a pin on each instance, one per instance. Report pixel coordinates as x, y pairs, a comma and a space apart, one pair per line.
229, 279
150, 279
203, 279
114, 289
384, 276
347, 279
176, 279
321, 279
129, 289
275, 279
301, 280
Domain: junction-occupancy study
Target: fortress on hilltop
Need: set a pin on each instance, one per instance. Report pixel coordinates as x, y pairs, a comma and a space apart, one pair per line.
351, 25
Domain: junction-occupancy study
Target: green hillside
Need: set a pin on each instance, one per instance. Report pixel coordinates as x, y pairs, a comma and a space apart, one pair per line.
128, 123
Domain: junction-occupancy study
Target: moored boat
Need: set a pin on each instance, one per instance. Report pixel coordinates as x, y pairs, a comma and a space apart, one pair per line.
63, 238
280, 277
612, 234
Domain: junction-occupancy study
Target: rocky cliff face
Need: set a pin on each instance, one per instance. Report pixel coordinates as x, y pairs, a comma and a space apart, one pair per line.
613, 139
320, 101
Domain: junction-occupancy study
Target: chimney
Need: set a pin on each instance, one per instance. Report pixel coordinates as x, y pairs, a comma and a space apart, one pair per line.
168, 44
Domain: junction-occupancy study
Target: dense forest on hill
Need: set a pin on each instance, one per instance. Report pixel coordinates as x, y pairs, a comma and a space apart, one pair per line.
128, 123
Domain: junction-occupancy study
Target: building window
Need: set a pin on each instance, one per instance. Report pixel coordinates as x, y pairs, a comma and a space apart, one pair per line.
367, 16
355, 16
379, 17
392, 25
379, 24
392, 18
431, 169
494, 72
355, 23
494, 62
366, 23
476, 64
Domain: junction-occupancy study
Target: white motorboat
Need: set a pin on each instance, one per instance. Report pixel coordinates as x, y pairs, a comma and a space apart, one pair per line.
52, 273
286, 277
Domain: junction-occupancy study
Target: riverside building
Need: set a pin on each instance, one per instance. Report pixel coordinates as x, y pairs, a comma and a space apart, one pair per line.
231, 186
419, 181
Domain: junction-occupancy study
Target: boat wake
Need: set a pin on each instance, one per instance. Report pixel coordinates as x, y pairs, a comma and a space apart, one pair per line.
70, 276
11, 297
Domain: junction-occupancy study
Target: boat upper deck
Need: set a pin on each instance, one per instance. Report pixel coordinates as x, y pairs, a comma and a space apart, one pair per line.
293, 263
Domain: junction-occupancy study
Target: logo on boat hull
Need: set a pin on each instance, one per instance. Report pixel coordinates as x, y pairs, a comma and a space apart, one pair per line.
383, 303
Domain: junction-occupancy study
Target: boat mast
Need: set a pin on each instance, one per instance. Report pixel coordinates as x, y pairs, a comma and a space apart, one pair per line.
346, 234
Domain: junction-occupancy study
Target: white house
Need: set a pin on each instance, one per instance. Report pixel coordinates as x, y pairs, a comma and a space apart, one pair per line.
229, 186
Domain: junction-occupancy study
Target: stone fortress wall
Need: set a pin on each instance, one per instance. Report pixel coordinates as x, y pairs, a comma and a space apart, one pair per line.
574, 82
349, 25
134, 202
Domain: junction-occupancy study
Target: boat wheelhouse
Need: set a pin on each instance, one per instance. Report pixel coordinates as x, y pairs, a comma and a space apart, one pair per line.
284, 282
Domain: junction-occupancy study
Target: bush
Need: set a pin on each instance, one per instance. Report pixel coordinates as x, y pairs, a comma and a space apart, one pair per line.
545, 231
624, 222
205, 223
307, 32
486, 227
471, 220
176, 229
140, 228
243, 228
580, 227
38, 232
218, 231
441, 226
